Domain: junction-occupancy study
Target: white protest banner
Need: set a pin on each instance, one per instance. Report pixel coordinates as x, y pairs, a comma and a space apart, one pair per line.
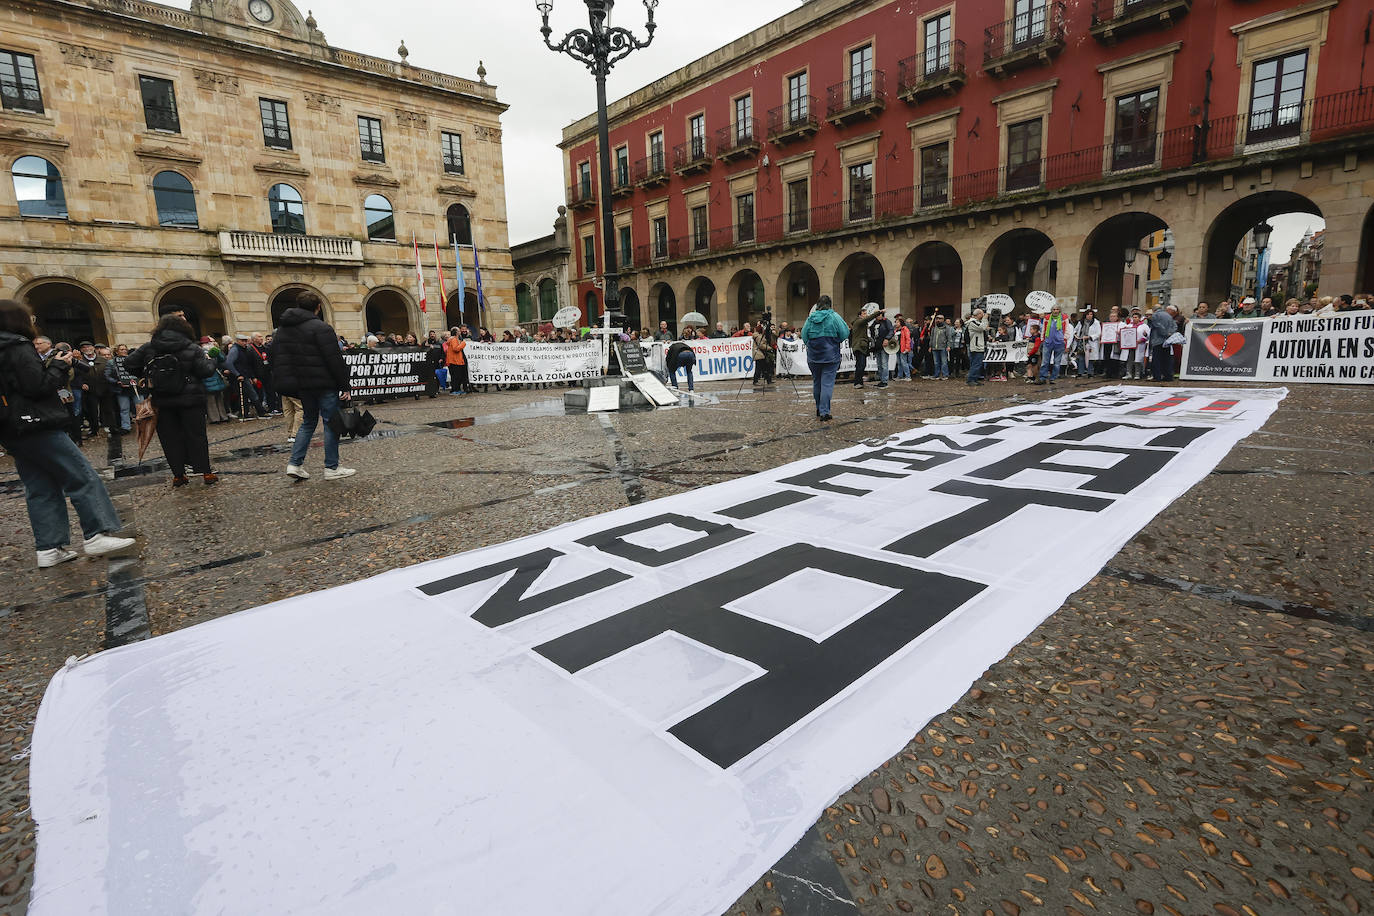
1335, 349
378, 372
1007, 351
723, 358
792, 358
511, 363
706, 671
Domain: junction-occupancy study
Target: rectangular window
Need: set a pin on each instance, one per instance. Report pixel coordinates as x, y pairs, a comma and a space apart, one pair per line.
935, 175
19, 82
699, 232
370, 139
696, 129
744, 218
798, 98
937, 46
159, 104
861, 74
660, 236
744, 119
1023, 155
276, 127
656, 163
453, 152
861, 191
1276, 91
798, 205
625, 246
588, 255
1134, 142
584, 180
1029, 24
622, 167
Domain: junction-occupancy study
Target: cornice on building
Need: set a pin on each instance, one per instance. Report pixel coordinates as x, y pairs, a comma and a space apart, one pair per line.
811, 18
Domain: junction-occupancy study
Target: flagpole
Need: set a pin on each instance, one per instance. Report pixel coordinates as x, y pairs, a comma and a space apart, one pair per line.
439, 269
462, 284
419, 278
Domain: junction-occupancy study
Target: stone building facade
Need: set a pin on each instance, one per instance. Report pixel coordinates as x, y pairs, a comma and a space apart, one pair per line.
923, 153
541, 274
228, 157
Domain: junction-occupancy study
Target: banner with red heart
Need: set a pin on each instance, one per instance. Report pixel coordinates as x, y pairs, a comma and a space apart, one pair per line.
1225, 345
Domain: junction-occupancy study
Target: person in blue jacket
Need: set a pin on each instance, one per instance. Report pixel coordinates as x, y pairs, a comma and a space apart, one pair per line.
822, 334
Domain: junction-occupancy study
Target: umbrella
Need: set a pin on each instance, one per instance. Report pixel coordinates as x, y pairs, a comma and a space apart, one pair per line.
145, 421
694, 318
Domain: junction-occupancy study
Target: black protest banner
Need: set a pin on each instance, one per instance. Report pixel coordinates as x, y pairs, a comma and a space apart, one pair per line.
386, 373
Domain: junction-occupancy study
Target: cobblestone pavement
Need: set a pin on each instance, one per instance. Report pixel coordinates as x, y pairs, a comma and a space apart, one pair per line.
1190, 734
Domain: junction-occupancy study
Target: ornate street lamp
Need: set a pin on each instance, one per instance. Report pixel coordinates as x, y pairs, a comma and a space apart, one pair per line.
1163, 257
1261, 237
600, 47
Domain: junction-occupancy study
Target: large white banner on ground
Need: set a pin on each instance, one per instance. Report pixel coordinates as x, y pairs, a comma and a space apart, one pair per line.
1336, 349
658, 701
511, 363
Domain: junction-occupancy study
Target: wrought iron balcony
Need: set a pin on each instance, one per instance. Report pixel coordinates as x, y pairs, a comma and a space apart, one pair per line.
278, 247
692, 156
794, 121
651, 171
856, 98
938, 71
738, 141
621, 186
580, 196
1115, 19
1024, 41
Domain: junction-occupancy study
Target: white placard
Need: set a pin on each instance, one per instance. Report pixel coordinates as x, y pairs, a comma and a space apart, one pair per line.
605, 397
514, 363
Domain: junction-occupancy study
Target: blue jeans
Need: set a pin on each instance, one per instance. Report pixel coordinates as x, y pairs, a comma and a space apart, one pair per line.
1051, 355
904, 365
823, 385
882, 366
975, 365
686, 361
54, 470
941, 363
317, 406
127, 399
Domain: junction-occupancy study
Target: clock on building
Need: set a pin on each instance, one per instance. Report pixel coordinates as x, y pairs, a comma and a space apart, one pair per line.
261, 10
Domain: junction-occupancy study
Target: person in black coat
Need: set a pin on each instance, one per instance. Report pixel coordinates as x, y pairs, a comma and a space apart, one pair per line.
33, 424
174, 368
308, 364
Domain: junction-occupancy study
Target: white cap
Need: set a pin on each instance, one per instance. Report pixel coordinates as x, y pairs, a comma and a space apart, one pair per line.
1248, 300
872, 308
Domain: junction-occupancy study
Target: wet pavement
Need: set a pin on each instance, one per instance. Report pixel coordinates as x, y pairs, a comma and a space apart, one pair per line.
1190, 734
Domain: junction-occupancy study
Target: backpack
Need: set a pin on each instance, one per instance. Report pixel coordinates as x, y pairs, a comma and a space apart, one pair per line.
164, 376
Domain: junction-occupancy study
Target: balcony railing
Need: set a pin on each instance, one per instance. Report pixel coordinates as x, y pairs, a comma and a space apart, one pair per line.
1349, 113
794, 121
1024, 40
621, 185
270, 246
737, 141
1115, 19
939, 70
856, 98
651, 170
580, 195
692, 156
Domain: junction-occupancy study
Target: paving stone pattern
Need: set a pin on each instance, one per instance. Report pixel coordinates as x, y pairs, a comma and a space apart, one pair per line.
1156, 746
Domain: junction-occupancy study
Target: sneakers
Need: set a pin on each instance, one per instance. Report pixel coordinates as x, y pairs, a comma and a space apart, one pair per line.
297, 472
337, 473
882, 384
55, 555
102, 544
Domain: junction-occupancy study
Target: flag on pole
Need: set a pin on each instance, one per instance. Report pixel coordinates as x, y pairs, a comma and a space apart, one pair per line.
419, 274
439, 269
462, 284
477, 269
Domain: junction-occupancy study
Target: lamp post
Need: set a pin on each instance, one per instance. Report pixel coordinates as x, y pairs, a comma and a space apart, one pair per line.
1261, 235
600, 47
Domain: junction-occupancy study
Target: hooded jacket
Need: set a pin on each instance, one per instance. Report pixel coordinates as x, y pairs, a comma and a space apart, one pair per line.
195, 367
30, 387
822, 334
306, 355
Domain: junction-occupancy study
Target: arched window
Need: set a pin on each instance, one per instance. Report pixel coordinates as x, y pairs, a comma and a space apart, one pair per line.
381, 225
38, 186
524, 304
175, 199
459, 225
593, 309
287, 209
548, 299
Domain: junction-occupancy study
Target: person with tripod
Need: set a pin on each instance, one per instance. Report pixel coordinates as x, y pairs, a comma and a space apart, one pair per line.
765, 351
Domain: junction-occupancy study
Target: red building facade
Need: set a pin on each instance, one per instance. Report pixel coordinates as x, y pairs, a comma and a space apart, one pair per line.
922, 154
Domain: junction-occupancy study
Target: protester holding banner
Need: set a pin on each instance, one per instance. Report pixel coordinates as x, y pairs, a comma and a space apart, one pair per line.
1134, 336
457, 362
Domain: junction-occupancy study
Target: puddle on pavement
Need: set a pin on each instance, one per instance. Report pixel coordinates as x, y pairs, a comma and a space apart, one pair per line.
552, 407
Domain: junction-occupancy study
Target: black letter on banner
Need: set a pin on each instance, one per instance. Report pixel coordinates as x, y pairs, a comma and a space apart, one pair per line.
612, 540
802, 674
765, 504
1135, 467
911, 459
998, 503
1175, 437
508, 602
946, 441
816, 478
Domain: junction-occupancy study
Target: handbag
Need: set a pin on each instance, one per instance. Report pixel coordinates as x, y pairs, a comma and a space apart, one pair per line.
1175, 340
352, 422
